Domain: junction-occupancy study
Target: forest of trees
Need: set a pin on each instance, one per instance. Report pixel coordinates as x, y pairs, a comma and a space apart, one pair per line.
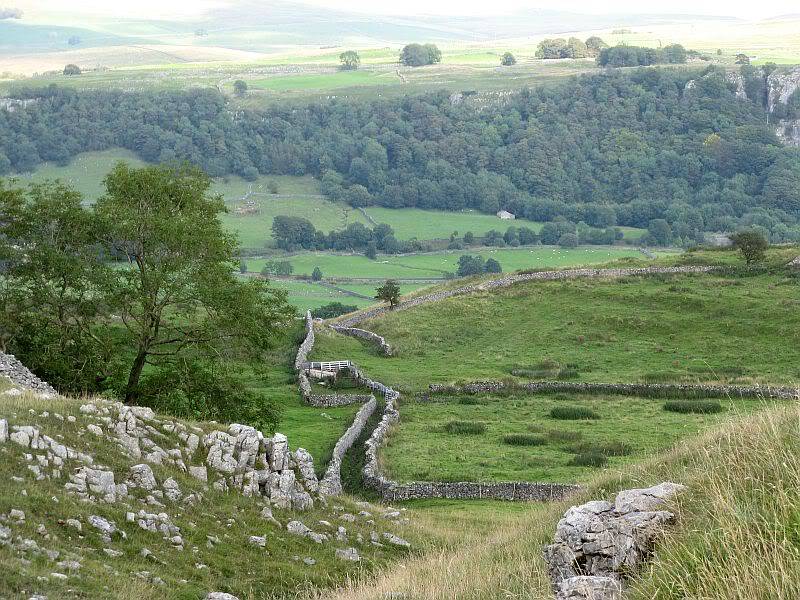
610, 149
638, 56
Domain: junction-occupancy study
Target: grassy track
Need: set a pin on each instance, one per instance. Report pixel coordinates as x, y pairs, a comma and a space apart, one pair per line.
419, 448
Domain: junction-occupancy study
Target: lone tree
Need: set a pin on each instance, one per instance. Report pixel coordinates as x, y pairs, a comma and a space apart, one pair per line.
508, 59
350, 60
239, 87
316, 274
417, 55
177, 292
71, 69
752, 244
389, 292
492, 266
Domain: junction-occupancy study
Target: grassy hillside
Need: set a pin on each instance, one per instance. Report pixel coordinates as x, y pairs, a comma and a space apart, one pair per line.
217, 555
736, 536
735, 326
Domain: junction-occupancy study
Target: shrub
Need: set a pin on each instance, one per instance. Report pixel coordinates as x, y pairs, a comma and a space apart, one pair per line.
589, 459
693, 406
573, 413
334, 309
524, 439
464, 427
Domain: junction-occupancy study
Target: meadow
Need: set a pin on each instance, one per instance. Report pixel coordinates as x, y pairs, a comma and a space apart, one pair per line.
523, 442
436, 265
307, 295
732, 327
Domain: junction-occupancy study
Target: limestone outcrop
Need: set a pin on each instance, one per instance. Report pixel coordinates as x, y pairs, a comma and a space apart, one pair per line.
782, 85
599, 544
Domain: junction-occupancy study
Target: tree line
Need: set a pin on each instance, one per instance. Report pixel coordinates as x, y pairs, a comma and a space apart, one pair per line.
619, 148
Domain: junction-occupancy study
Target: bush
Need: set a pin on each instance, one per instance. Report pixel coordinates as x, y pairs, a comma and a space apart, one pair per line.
589, 459
204, 391
464, 427
334, 309
693, 406
524, 439
573, 413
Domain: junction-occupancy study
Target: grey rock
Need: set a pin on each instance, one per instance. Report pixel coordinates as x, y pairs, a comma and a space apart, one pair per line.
349, 554
598, 544
3, 430
297, 528
200, 473
220, 596
589, 588
652, 498
395, 540
172, 490
74, 523
279, 452
257, 540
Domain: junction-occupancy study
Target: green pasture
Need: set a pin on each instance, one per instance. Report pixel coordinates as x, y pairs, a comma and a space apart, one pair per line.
255, 229
323, 81
85, 172
434, 224
669, 328
437, 264
419, 447
308, 295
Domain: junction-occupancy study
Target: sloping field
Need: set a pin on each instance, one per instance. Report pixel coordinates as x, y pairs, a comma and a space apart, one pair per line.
734, 327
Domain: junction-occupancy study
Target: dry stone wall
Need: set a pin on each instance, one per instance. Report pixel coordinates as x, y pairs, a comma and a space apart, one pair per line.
302, 357
508, 280
331, 484
20, 375
373, 338
666, 390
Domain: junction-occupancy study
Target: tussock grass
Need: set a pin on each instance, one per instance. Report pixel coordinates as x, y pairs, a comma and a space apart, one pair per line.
524, 439
573, 413
464, 427
736, 535
589, 459
694, 406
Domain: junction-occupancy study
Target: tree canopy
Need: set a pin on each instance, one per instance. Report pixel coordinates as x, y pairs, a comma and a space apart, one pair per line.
418, 55
350, 60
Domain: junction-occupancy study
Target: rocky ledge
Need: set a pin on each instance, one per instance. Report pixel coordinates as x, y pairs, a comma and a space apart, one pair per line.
599, 544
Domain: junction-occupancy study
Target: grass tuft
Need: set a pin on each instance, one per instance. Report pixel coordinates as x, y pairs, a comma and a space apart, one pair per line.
589, 459
524, 439
464, 427
573, 413
704, 407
